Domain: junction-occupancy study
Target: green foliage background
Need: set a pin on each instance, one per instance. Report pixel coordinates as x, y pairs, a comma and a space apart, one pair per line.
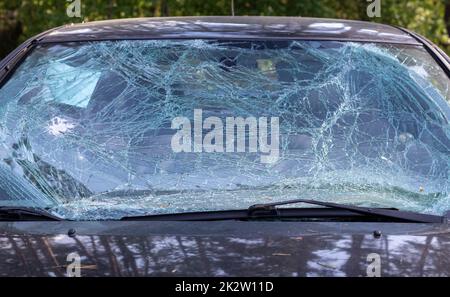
20, 19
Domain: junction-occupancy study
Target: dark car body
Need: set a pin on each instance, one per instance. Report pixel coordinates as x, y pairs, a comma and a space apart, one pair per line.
224, 248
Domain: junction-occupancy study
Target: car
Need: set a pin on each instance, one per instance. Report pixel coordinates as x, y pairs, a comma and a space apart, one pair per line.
225, 146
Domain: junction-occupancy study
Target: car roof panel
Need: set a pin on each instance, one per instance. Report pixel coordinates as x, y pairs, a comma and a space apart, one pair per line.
222, 27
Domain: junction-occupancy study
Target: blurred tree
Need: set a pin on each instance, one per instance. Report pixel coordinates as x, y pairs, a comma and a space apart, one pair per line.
10, 31
20, 19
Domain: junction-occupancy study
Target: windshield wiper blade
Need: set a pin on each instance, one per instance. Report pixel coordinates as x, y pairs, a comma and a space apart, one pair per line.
270, 211
369, 211
12, 213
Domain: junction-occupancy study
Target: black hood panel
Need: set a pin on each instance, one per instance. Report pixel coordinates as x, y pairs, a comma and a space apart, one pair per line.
223, 248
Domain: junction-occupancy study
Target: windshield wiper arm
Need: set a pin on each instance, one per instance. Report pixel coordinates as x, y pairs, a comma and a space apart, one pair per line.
12, 213
377, 212
270, 211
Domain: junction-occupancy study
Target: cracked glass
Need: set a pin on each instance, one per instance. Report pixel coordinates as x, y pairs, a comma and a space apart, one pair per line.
85, 128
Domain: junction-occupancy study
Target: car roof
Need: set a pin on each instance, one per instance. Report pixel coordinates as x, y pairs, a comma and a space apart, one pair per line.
227, 27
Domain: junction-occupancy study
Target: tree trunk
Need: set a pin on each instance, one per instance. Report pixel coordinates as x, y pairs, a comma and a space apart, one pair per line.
10, 31
447, 16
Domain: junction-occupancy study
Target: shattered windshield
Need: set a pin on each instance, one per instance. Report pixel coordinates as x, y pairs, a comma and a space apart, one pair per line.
102, 130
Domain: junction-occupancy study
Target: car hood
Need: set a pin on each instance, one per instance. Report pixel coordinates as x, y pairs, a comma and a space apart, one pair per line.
225, 248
